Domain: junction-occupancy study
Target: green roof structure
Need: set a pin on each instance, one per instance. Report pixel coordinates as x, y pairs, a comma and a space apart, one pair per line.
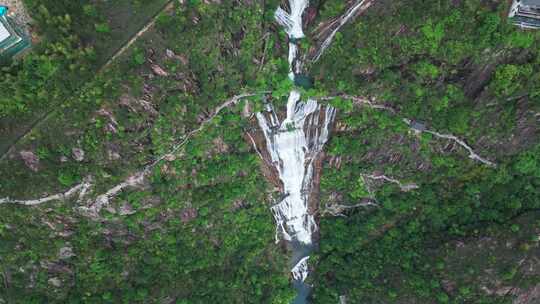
12, 39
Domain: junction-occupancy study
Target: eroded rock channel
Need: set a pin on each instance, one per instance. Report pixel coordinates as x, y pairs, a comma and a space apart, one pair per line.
292, 147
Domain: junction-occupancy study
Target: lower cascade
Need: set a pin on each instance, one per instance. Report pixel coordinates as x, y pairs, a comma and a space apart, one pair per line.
294, 145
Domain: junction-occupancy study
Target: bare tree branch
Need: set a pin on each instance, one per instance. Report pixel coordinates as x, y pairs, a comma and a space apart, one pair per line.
404, 187
255, 146
472, 154
338, 209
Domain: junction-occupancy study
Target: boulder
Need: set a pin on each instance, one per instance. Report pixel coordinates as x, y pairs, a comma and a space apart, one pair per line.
30, 160
77, 154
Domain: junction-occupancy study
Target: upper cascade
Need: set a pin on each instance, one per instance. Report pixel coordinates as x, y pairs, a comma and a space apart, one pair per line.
292, 22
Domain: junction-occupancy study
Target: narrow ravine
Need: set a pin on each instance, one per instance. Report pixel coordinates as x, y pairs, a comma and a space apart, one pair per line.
293, 145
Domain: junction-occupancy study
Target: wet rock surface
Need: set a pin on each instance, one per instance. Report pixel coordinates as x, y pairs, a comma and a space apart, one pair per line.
77, 154
188, 214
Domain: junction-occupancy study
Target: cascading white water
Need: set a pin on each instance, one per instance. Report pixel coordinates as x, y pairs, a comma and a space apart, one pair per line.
293, 146
292, 22
293, 26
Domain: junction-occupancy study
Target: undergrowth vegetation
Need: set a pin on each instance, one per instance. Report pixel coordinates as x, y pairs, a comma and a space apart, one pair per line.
458, 68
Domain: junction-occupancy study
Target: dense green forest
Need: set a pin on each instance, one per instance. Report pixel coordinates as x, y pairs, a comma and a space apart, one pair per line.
205, 237
458, 68
199, 228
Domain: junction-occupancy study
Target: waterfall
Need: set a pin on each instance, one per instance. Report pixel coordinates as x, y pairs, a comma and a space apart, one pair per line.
293, 145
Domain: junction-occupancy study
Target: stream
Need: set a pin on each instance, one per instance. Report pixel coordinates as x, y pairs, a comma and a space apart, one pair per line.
293, 145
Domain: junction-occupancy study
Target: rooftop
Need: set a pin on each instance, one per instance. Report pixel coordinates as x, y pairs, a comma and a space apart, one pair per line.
4, 33
535, 3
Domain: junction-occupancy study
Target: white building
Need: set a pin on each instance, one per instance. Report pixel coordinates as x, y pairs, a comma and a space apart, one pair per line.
525, 13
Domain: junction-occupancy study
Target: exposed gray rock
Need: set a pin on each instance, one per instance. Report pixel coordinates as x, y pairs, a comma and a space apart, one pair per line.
219, 145
65, 233
159, 70
170, 157
170, 54
55, 282
529, 296
30, 160
110, 210
246, 110
65, 253
188, 214
113, 155
126, 209
238, 204
78, 154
